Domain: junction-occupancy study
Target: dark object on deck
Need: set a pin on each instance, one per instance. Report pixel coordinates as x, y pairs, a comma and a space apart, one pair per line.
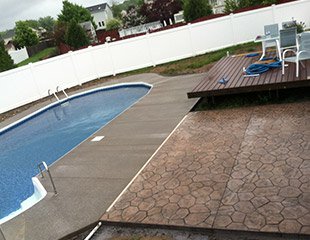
223, 81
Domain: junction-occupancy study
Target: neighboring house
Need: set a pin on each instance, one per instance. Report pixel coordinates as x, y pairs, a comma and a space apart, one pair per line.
9, 46
101, 13
40, 32
8, 40
8, 36
90, 30
217, 5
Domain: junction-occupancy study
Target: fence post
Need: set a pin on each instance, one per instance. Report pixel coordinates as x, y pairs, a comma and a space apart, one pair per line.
189, 28
74, 68
273, 9
232, 27
34, 79
111, 57
149, 48
90, 48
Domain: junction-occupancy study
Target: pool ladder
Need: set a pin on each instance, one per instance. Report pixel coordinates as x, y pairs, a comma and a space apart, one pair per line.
49, 174
55, 95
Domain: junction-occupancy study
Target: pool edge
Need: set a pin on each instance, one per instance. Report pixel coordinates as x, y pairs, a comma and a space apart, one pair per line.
37, 196
39, 190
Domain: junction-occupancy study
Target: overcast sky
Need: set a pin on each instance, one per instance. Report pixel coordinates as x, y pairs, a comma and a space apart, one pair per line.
14, 10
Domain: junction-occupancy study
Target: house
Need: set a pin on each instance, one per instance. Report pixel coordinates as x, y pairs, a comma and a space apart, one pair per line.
10, 46
8, 36
101, 13
8, 40
90, 30
40, 32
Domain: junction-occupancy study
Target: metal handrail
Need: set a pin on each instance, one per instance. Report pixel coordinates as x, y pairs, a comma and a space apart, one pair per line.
57, 90
49, 174
49, 94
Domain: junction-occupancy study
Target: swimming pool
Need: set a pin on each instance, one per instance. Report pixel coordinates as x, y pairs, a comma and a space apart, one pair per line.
53, 131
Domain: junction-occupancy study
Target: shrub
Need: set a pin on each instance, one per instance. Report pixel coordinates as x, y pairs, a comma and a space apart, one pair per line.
6, 61
194, 9
113, 24
76, 37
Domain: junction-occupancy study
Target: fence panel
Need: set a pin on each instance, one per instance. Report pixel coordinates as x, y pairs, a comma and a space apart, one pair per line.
19, 55
299, 10
170, 45
17, 88
102, 60
213, 34
56, 72
83, 61
248, 26
130, 54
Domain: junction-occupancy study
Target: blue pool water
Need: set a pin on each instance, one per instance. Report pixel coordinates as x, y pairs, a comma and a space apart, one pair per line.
51, 133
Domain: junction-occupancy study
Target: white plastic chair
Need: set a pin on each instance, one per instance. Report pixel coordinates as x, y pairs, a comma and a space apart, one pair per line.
271, 31
287, 41
302, 53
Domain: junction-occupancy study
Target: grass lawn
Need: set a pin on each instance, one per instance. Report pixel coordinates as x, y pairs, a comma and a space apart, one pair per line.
48, 52
198, 64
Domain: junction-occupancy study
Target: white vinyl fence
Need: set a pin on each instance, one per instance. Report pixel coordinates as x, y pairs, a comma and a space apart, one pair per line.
32, 82
140, 29
19, 55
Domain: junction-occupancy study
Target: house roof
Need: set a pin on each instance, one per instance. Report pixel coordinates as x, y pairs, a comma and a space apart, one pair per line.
86, 25
97, 8
9, 34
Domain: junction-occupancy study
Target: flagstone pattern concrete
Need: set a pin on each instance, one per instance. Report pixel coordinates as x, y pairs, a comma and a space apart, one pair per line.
239, 169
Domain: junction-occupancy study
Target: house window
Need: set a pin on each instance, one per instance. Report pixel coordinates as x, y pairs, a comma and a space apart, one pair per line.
99, 24
102, 23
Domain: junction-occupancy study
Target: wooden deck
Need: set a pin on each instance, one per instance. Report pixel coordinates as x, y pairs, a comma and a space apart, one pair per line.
232, 69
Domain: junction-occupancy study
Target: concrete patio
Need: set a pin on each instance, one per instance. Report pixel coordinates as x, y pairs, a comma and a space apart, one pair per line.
238, 169
91, 176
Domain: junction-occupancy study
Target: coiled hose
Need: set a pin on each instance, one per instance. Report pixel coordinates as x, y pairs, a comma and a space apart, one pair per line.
264, 66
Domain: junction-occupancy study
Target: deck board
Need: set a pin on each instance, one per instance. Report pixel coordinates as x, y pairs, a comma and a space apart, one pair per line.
232, 69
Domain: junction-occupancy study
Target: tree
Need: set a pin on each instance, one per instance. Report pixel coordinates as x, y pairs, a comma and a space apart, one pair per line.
76, 36
73, 12
24, 35
48, 23
113, 24
32, 23
194, 9
60, 32
231, 5
132, 18
116, 10
160, 10
6, 62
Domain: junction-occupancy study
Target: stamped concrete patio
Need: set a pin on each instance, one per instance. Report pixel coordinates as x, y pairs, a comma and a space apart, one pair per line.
240, 169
